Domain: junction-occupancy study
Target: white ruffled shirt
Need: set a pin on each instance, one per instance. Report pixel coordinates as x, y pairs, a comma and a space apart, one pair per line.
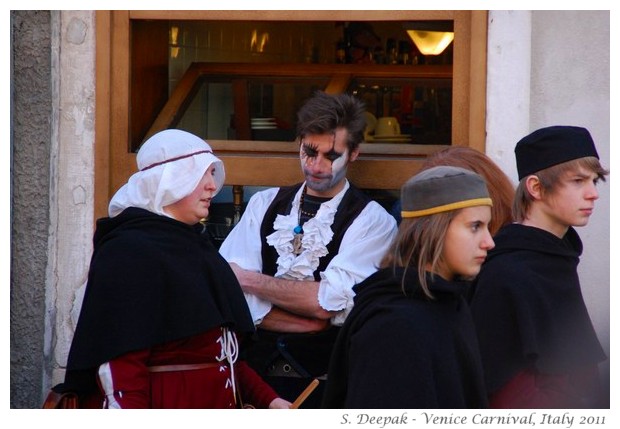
362, 247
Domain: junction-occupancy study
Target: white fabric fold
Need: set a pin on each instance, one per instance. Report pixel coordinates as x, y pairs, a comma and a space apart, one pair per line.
170, 165
317, 235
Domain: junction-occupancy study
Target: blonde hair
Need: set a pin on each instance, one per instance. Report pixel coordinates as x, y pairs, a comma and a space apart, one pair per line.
550, 179
419, 243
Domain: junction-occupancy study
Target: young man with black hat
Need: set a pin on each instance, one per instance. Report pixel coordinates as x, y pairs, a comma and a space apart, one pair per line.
538, 346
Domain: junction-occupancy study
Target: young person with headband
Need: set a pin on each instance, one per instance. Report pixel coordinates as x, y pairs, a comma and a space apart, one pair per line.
409, 341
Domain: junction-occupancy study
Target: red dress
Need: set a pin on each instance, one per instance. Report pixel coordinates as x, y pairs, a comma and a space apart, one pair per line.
131, 382
159, 293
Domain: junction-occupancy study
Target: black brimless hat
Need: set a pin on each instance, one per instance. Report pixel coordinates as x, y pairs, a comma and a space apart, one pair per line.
550, 146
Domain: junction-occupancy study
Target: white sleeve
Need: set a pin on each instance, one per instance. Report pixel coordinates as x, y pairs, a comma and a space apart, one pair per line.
361, 250
243, 246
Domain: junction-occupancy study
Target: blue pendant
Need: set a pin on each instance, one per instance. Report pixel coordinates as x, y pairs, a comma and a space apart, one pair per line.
298, 230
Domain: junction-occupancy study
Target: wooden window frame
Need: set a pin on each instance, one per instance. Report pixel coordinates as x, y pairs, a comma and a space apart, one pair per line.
276, 163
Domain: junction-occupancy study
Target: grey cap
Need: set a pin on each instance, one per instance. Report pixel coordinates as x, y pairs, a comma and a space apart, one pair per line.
441, 189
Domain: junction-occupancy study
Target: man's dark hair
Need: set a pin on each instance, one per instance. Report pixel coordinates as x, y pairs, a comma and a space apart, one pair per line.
324, 113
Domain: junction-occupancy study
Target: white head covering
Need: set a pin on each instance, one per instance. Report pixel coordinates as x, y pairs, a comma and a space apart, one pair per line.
170, 165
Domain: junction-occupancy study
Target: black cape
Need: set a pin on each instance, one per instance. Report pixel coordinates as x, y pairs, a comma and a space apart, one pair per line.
403, 350
528, 308
152, 280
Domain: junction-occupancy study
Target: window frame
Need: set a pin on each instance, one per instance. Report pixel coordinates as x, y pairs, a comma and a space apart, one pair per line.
379, 166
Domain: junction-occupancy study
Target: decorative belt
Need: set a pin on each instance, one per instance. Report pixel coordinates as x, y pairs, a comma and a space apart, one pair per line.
183, 367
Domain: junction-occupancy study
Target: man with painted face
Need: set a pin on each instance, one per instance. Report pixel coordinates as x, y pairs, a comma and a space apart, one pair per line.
298, 251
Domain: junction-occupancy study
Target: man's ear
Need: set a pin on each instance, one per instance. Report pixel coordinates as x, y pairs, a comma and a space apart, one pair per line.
533, 186
354, 154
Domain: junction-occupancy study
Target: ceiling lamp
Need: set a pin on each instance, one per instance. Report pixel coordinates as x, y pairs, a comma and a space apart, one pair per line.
431, 37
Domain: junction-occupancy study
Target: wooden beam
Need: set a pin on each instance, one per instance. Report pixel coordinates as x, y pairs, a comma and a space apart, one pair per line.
102, 114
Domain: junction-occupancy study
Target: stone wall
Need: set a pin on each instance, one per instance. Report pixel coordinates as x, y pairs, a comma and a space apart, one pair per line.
31, 111
52, 201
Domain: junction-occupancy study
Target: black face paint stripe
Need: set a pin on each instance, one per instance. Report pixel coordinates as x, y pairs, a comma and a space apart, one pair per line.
311, 150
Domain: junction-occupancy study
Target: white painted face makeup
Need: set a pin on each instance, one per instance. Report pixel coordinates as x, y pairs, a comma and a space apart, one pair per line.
324, 172
304, 159
339, 165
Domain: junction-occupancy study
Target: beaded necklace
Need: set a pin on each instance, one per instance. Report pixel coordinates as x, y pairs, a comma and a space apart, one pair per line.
298, 231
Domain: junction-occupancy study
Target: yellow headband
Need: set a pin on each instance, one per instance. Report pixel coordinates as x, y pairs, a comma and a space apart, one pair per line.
448, 207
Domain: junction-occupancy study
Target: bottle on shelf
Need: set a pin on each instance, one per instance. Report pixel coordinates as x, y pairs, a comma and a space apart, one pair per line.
404, 52
341, 56
379, 55
391, 51
348, 45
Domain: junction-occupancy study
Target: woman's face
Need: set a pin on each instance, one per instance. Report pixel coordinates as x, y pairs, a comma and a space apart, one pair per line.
466, 244
194, 207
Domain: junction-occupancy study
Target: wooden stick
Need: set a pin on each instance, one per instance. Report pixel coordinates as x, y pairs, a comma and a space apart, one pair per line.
303, 395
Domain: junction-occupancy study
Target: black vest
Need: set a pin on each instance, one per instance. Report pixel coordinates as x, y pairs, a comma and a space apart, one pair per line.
307, 353
353, 202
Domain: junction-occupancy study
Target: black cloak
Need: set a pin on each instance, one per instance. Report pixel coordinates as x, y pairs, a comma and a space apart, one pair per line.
400, 349
152, 280
528, 308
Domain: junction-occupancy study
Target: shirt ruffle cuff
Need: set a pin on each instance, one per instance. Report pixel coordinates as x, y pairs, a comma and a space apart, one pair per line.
334, 295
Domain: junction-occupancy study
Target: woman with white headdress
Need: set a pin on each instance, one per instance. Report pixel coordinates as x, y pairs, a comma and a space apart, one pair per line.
162, 309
